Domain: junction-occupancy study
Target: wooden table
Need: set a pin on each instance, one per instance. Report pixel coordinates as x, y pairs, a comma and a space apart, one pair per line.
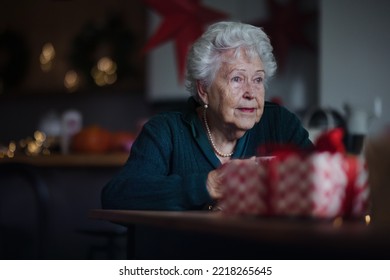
71, 160
209, 235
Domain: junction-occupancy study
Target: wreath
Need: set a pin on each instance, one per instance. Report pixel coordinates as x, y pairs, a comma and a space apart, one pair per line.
112, 40
14, 60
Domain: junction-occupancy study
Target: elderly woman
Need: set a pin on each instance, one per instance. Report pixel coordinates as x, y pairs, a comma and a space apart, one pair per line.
173, 164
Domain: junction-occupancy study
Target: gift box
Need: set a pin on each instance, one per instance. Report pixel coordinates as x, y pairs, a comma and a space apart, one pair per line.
319, 184
243, 193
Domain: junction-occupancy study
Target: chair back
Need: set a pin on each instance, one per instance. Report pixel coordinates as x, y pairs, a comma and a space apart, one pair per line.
24, 203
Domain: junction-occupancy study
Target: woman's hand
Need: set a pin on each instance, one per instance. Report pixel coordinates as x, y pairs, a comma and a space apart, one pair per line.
214, 183
214, 178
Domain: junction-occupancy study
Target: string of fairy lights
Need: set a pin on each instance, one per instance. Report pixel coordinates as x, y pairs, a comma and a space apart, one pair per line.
87, 65
104, 72
38, 144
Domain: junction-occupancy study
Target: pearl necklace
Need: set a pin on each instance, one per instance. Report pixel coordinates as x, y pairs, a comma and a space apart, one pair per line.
211, 139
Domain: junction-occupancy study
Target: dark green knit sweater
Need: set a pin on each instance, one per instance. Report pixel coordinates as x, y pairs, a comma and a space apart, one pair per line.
169, 161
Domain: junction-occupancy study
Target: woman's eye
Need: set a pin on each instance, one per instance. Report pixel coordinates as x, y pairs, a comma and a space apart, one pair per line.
259, 80
236, 79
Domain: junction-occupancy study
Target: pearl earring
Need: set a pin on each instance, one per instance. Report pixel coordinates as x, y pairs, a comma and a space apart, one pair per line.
205, 106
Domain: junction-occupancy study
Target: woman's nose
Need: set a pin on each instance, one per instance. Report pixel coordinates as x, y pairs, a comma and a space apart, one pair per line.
249, 93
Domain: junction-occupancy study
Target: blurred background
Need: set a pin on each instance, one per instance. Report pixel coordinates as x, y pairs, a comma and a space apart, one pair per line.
91, 66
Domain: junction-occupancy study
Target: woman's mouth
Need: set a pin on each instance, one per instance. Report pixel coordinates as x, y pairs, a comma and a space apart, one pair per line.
247, 110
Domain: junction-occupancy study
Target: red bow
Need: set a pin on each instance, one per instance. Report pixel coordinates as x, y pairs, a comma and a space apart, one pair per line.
331, 141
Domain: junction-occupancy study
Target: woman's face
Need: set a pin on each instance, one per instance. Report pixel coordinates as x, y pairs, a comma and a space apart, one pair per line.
236, 96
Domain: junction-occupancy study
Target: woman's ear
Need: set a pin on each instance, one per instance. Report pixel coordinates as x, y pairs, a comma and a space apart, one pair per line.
202, 92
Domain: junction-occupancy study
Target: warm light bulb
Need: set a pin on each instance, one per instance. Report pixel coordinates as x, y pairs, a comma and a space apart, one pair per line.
10, 154
39, 136
71, 80
367, 219
48, 51
99, 80
33, 148
46, 57
112, 69
110, 79
12, 147
105, 64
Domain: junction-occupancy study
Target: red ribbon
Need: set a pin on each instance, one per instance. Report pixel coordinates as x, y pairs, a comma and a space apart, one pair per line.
272, 180
351, 170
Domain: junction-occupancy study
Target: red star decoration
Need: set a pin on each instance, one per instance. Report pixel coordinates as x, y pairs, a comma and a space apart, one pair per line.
285, 28
184, 21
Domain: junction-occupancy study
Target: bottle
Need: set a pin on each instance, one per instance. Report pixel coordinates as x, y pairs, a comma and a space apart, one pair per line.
71, 124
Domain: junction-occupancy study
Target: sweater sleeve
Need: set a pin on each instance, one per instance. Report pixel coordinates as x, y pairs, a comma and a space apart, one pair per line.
145, 182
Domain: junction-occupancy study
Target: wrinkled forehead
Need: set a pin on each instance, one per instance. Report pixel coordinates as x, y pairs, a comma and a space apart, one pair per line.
231, 56
241, 58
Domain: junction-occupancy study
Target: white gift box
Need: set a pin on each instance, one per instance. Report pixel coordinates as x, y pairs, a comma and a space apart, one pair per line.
320, 185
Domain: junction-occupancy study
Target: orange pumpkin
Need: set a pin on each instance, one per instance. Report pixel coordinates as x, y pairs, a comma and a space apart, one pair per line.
122, 141
91, 139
